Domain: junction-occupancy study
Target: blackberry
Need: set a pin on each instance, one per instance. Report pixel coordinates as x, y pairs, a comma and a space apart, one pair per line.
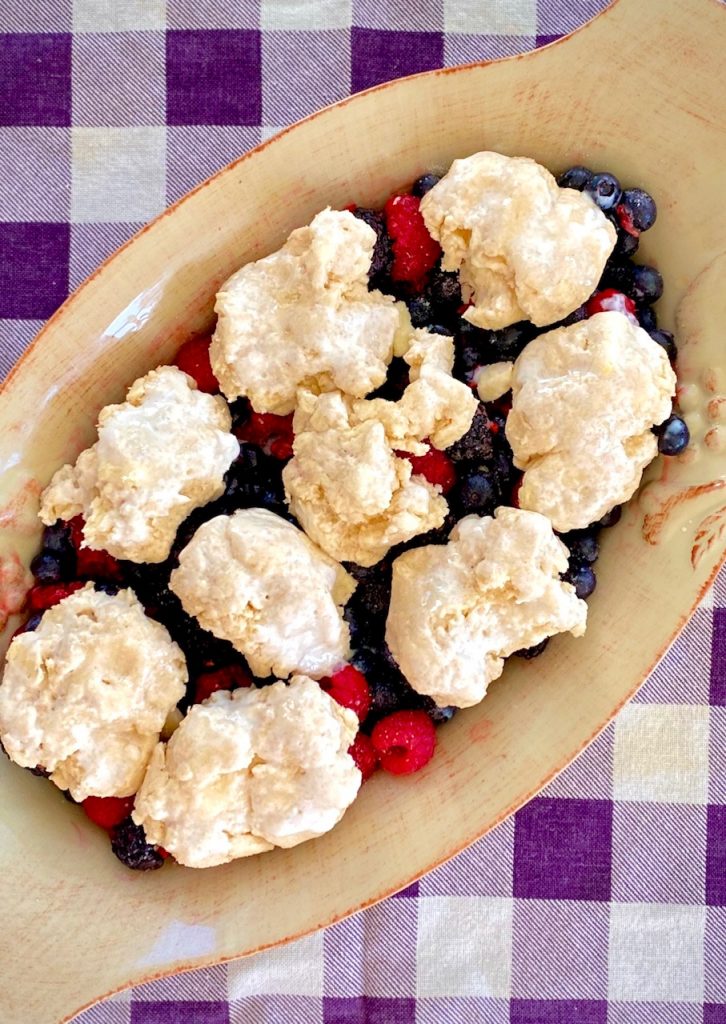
577, 177
468, 350
420, 311
254, 479
507, 344
572, 318
396, 382
368, 606
128, 842
382, 259
444, 293
477, 444
439, 535
424, 184
532, 652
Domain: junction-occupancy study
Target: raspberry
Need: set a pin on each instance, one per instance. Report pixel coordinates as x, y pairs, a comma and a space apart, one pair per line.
435, 466
364, 755
414, 250
228, 678
193, 358
350, 689
97, 565
108, 811
42, 597
270, 432
611, 300
404, 741
76, 527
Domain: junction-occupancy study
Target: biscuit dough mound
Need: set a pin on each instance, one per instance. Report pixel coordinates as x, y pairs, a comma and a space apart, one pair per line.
86, 694
256, 580
526, 249
349, 485
458, 610
584, 400
304, 317
159, 455
250, 770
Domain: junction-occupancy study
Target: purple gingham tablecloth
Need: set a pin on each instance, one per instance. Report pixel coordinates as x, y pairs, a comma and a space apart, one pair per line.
604, 899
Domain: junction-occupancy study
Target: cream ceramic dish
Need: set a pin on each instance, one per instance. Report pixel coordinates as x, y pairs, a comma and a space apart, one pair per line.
639, 92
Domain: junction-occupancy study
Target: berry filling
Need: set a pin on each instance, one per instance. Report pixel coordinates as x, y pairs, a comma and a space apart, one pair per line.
477, 474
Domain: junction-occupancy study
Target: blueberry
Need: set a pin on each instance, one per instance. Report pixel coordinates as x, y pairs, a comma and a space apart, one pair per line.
575, 177
32, 623
610, 518
57, 538
604, 189
667, 341
420, 311
582, 578
128, 842
646, 284
240, 411
469, 350
439, 329
106, 588
617, 274
583, 546
440, 715
389, 690
396, 382
477, 493
49, 567
673, 436
639, 207
532, 652
626, 244
574, 317
647, 318
382, 258
477, 443
424, 184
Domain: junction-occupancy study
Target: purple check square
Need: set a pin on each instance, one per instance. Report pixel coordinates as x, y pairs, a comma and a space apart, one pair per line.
544, 40
186, 1012
365, 1010
378, 55
562, 849
213, 77
716, 857
35, 79
718, 658
714, 1013
33, 269
558, 1011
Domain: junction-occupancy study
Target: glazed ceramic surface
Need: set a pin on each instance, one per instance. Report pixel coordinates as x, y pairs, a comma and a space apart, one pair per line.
76, 923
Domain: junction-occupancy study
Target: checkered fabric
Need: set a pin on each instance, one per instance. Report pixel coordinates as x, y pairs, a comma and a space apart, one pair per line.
604, 899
